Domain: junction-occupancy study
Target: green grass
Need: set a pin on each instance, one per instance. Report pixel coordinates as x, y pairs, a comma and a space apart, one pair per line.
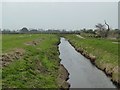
38, 68
10, 41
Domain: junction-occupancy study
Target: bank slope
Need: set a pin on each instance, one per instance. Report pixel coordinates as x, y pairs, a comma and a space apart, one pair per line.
102, 52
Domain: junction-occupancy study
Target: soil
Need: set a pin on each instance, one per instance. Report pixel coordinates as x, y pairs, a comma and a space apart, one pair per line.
34, 42
11, 56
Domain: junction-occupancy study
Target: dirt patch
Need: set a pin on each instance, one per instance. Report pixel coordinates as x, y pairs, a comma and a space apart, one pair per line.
63, 77
9, 57
34, 42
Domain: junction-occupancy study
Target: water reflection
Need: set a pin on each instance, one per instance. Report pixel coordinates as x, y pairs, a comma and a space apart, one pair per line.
82, 73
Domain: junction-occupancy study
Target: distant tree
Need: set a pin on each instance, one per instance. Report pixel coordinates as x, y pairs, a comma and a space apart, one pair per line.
6, 31
34, 31
84, 30
90, 31
100, 30
24, 30
100, 26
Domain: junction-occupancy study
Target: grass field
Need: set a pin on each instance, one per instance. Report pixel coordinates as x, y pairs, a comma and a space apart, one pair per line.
10, 41
104, 50
37, 67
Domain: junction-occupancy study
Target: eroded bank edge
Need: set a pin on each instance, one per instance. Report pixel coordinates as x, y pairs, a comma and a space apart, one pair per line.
63, 74
92, 59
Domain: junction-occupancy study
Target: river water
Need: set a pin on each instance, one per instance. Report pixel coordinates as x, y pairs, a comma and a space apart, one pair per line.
82, 73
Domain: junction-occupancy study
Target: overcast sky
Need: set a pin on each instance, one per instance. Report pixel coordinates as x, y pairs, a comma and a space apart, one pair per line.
58, 15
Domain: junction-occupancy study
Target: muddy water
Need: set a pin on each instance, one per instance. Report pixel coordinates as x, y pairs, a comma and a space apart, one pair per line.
82, 73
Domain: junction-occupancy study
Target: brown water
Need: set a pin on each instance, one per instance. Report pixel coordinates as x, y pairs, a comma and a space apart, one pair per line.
82, 73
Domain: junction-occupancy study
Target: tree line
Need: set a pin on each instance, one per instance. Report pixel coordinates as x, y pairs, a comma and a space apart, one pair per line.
25, 30
101, 31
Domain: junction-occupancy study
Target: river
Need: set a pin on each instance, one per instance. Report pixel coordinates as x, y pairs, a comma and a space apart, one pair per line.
82, 73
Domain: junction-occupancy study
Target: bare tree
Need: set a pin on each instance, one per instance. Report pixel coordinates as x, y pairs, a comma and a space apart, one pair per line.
101, 30
24, 30
108, 29
100, 26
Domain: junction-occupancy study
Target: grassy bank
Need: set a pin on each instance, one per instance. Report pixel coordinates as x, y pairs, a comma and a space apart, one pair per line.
105, 52
37, 66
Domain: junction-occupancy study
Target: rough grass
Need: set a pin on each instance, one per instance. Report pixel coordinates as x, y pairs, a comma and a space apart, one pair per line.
38, 68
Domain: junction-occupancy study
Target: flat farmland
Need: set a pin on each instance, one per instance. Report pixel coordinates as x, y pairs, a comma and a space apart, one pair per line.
34, 60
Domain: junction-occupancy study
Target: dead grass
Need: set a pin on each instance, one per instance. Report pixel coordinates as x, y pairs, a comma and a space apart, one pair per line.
11, 56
